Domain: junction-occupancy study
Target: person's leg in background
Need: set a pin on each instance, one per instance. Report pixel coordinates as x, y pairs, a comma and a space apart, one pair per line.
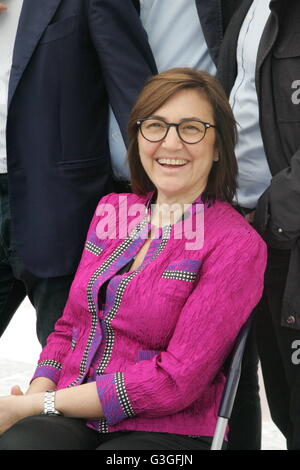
48, 296
245, 422
12, 291
275, 380
275, 345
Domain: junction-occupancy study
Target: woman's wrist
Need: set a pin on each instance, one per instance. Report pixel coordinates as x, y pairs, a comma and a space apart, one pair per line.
76, 402
30, 405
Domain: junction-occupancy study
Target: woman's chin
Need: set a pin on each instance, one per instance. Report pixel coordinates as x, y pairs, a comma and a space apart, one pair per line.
171, 190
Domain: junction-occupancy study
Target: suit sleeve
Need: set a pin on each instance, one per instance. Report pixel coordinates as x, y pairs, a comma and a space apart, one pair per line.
124, 53
278, 213
229, 287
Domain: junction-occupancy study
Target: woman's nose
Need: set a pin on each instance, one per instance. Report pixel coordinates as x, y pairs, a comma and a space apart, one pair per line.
172, 139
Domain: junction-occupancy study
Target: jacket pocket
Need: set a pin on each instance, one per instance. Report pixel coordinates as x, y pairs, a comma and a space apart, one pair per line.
146, 354
289, 47
95, 245
177, 280
80, 163
286, 79
61, 29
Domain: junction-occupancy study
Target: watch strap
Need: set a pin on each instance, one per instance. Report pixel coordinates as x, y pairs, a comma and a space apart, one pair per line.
49, 403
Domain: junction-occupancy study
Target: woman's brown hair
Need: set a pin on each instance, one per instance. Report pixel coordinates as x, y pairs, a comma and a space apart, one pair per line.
158, 89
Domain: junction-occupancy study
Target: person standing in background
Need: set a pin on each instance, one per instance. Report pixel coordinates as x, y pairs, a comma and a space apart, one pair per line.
56, 77
259, 69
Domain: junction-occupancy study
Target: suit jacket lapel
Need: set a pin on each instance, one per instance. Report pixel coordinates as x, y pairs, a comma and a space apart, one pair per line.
35, 17
269, 35
227, 64
210, 16
136, 4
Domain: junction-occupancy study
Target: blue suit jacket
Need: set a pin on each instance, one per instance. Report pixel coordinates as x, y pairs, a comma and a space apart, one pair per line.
70, 58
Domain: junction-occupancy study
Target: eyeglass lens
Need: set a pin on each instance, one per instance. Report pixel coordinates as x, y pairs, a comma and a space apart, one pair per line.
189, 131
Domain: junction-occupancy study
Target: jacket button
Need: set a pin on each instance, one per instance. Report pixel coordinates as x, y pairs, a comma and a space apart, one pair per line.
280, 230
291, 319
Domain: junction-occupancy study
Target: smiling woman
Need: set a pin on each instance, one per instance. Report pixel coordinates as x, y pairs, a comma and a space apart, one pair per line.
180, 169
137, 357
186, 137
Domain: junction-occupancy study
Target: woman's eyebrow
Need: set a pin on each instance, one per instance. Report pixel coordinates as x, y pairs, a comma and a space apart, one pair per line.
189, 118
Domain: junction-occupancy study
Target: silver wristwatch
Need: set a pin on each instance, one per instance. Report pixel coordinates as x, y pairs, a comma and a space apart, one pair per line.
49, 404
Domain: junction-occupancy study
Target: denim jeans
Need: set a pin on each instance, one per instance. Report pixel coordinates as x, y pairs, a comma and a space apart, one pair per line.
47, 295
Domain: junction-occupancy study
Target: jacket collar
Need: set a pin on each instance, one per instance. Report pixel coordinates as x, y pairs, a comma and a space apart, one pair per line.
210, 17
136, 4
269, 36
35, 17
197, 205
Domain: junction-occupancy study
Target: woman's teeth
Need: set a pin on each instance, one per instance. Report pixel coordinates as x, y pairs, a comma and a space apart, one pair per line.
171, 161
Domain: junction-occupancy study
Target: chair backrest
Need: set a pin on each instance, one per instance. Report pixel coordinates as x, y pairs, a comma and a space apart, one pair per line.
231, 385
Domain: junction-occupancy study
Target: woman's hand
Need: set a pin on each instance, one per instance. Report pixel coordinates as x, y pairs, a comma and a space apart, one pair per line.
250, 217
15, 390
18, 406
11, 411
75, 402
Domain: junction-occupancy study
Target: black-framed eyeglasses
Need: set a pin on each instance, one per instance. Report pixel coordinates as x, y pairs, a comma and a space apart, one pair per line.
190, 131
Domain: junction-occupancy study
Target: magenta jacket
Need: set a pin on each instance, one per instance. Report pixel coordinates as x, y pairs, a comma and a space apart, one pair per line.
157, 348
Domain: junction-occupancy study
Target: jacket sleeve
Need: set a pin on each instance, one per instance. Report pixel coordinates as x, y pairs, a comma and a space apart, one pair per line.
51, 359
230, 285
59, 342
124, 53
278, 210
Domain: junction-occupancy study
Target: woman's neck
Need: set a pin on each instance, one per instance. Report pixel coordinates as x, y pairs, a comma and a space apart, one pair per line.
169, 209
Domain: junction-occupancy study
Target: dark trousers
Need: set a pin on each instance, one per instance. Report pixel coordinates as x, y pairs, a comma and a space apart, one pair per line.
48, 296
275, 345
245, 422
60, 433
281, 375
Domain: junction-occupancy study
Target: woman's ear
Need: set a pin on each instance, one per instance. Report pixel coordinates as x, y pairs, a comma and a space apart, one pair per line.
216, 153
217, 156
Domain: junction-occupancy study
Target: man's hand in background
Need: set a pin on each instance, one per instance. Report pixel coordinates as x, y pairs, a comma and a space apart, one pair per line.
250, 217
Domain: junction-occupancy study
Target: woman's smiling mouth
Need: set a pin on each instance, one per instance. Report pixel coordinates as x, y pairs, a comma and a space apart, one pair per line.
171, 162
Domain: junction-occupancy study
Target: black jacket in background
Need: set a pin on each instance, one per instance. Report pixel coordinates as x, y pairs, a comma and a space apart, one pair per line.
278, 88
